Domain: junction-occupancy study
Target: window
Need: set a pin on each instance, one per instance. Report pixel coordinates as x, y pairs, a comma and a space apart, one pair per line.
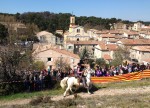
49, 59
78, 30
70, 47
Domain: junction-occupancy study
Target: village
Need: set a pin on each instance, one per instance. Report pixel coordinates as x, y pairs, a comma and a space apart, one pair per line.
135, 39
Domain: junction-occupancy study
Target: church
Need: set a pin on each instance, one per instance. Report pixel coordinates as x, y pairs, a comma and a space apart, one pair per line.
75, 32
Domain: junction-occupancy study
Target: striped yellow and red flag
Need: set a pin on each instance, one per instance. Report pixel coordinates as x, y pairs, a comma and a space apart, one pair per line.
124, 77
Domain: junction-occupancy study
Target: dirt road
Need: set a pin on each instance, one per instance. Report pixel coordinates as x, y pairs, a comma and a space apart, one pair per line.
101, 92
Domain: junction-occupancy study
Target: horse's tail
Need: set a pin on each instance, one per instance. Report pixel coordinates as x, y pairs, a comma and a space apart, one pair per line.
63, 82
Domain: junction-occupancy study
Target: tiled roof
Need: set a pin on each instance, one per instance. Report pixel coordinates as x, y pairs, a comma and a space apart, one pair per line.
107, 36
83, 42
147, 60
142, 48
110, 47
65, 52
135, 41
43, 33
50, 47
132, 33
107, 57
103, 46
143, 29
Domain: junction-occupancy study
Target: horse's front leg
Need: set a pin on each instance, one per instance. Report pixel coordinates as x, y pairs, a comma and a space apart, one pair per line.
88, 87
71, 89
88, 90
67, 89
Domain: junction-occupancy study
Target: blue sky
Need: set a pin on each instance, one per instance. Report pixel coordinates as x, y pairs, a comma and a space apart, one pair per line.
125, 9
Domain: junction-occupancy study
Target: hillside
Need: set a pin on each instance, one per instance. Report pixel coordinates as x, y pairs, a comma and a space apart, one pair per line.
55, 21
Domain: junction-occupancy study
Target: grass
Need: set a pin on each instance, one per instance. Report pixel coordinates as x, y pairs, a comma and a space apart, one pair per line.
119, 101
27, 95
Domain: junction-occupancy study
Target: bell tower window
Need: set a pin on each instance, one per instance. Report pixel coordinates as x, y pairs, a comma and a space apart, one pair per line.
78, 30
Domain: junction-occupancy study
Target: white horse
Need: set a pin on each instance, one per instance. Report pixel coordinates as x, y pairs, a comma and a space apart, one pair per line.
70, 81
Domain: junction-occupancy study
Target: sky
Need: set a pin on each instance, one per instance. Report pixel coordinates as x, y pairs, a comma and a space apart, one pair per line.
133, 10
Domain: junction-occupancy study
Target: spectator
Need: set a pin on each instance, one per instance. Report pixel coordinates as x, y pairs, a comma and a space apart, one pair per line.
41, 80
26, 81
31, 79
98, 73
148, 66
142, 67
47, 81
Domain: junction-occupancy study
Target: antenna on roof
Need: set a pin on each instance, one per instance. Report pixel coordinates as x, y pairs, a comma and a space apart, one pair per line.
72, 13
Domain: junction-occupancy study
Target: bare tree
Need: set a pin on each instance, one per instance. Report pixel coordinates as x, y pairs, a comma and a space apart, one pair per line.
120, 55
62, 64
13, 59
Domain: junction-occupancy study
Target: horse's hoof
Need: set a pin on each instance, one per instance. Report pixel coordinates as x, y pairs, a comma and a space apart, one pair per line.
89, 93
75, 95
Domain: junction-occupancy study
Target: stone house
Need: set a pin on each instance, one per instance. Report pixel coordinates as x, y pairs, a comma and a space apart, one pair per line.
78, 46
131, 35
49, 54
105, 51
46, 37
141, 53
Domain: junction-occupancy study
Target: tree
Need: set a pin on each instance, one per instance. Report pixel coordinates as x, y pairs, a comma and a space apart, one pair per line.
84, 53
91, 62
38, 65
13, 60
62, 64
3, 33
101, 62
120, 55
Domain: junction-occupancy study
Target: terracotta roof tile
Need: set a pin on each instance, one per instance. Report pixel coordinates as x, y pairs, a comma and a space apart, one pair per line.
112, 46
84, 42
147, 60
103, 46
65, 52
107, 57
132, 33
50, 47
135, 41
107, 36
142, 48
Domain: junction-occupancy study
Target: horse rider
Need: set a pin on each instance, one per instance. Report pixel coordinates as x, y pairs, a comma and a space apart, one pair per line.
81, 69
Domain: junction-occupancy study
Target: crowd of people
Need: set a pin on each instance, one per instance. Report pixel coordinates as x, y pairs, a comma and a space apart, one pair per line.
119, 70
34, 81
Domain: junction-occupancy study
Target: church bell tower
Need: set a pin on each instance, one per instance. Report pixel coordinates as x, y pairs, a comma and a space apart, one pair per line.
72, 23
